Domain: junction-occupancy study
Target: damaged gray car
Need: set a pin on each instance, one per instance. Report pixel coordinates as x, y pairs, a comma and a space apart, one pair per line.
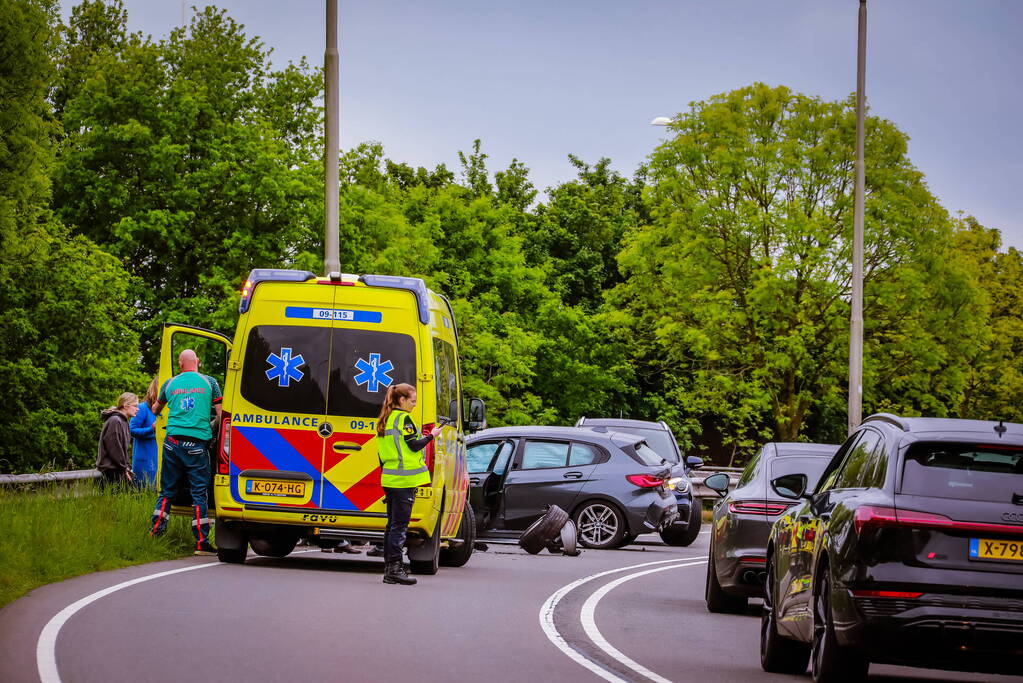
613, 485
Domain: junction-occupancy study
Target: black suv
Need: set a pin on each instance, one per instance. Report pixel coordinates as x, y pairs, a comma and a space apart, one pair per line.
909, 551
660, 438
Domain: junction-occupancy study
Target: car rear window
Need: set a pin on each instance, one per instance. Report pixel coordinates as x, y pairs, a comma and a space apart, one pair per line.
963, 471
645, 455
657, 439
812, 467
316, 370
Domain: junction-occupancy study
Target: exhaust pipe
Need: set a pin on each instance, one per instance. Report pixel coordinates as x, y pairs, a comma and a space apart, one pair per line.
754, 577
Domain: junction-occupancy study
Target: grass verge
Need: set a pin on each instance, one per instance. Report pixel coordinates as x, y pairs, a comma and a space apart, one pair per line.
53, 533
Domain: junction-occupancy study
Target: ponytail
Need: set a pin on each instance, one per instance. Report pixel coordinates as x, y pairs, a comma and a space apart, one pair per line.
395, 393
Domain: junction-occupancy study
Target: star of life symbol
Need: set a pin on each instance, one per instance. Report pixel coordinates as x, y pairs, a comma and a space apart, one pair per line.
284, 367
373, 373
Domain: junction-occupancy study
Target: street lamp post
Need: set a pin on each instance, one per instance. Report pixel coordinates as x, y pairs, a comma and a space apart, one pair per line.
331, 260
856, 318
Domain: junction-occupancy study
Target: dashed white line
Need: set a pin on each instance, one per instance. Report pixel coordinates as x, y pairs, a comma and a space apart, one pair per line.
549, 629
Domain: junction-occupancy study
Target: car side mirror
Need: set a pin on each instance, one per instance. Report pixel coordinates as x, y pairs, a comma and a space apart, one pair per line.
694, 463
718, 483
477, 415
791, 486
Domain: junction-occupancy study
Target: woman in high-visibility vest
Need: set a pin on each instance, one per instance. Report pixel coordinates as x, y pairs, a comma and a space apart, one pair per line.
402, 469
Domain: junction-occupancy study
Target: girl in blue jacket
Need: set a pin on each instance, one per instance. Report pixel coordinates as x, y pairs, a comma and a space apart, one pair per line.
143, 430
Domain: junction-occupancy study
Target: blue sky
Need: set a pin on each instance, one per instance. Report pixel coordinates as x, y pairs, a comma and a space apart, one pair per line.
540, 80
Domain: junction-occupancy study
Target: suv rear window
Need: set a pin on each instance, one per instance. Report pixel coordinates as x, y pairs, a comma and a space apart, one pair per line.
286, 369
963, 471
659, 440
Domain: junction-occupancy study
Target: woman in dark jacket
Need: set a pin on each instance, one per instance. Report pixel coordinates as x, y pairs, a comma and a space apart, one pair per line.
113, 456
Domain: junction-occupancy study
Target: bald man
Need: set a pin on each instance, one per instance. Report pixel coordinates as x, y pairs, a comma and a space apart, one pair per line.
189, 397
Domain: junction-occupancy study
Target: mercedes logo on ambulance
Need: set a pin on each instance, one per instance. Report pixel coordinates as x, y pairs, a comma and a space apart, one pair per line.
326, 429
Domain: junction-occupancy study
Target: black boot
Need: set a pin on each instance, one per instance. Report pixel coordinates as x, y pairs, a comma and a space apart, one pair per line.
394, 572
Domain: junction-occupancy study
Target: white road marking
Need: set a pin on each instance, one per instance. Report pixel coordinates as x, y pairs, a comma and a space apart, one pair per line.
590, 624
549, 629
46, 646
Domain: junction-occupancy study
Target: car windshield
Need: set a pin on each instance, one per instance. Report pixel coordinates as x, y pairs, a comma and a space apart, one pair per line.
657, 439
964, 471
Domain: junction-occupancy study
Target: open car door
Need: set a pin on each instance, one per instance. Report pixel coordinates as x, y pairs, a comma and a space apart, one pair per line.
213, 350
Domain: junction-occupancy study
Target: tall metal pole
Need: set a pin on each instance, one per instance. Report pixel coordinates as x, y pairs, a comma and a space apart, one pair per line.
856, 320
331, 260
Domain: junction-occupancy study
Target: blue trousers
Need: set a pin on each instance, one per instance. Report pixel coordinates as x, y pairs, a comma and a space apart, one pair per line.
399, 512
184, 459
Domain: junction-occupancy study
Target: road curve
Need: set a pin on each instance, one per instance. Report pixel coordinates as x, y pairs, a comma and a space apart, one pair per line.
638, 617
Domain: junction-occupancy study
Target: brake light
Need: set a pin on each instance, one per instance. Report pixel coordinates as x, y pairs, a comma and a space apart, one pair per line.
886, 594
758, 507
337, 283
429, 451
644, 481
869, 516
224, 457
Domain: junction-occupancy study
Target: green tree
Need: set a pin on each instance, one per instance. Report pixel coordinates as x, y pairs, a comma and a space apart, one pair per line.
192, 162
736, 294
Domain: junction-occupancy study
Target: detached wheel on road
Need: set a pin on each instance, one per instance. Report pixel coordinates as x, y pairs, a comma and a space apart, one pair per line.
832, 663
601, 525
458, 555
547, 528
718, 601
778, 655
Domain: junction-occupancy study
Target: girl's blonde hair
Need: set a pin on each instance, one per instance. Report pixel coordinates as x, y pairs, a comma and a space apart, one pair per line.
395, 392
154, 386
126, 399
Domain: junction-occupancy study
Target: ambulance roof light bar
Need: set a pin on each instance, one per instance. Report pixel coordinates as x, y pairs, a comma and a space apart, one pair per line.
411, 284
257, 275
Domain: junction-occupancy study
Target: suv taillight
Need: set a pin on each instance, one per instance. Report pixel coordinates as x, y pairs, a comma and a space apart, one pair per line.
758, 507
224, 456
869, 516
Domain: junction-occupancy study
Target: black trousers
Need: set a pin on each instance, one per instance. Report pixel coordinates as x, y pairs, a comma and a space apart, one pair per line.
399, 512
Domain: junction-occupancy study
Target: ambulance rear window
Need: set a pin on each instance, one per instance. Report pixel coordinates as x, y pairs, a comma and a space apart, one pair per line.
316, 370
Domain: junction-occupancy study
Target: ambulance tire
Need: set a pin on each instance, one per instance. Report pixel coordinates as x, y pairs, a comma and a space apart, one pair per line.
279, 544
458, 555
547, 528
232, 543
425, 558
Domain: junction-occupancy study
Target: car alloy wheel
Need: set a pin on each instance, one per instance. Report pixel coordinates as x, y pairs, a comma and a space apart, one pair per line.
600, 526
778, 654
830, 662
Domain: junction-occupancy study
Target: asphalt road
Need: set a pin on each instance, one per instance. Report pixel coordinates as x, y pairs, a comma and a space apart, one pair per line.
635, 614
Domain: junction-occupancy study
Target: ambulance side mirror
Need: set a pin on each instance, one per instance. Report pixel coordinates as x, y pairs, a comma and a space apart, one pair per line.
476, 415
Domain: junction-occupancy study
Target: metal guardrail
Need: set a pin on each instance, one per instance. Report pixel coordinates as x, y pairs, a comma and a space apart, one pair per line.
73, 475
696, 477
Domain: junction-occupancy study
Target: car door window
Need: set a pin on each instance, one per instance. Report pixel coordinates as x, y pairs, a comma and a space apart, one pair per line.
876, 470
857, 465
480, 456
830, 475
539, 455
582, 454
750, 469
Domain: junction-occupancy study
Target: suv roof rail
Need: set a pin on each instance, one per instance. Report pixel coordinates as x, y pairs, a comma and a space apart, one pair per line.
891, 419
580, 421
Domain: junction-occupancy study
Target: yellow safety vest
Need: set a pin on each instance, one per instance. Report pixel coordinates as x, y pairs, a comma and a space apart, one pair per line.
400, 466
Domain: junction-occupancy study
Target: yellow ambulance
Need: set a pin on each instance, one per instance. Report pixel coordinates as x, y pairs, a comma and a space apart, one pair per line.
304, 380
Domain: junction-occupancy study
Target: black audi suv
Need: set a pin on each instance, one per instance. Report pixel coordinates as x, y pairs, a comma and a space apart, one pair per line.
908, 551
743, 518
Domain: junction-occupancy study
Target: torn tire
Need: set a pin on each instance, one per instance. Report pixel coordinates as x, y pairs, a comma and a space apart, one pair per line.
547, 528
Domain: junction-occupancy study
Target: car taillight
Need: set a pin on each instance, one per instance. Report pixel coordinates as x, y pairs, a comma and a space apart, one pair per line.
644, 481
877, 516
905, 595
429, 451
224, 457
757, 507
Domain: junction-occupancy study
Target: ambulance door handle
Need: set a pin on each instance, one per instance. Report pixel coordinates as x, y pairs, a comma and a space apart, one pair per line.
346, 446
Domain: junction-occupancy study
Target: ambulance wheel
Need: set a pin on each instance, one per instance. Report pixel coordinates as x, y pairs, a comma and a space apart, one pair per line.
458, 555
279, 544
232, 542
232, 555
425, 558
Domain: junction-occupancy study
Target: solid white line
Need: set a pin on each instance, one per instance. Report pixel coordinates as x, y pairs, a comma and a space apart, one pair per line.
590, 625
46, 648
547, 618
